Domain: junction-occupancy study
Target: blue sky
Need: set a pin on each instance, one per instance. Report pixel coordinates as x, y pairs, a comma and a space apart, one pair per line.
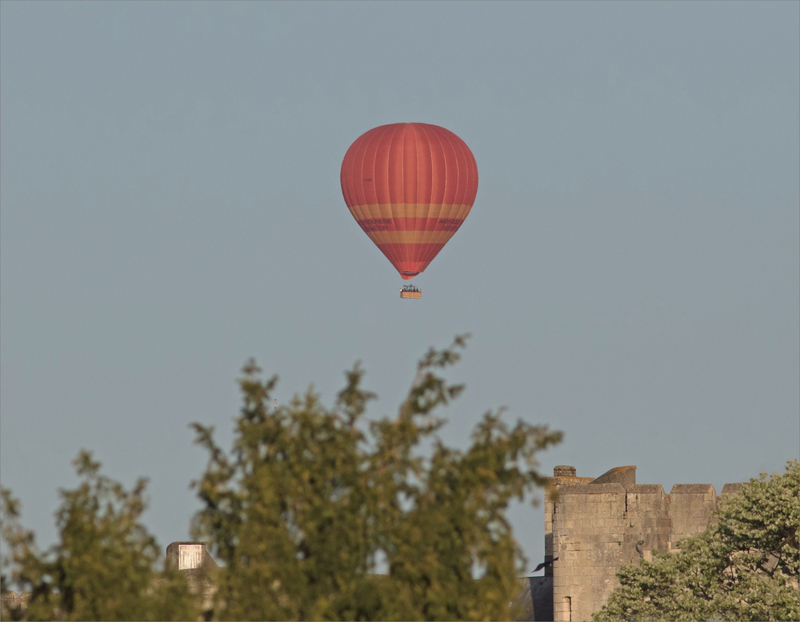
171, 207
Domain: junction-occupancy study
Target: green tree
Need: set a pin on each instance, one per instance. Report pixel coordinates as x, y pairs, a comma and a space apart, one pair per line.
102, 567
310, 500
743, 567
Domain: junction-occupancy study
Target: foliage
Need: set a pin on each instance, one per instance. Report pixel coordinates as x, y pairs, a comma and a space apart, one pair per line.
311, 502
102, 567
743, 567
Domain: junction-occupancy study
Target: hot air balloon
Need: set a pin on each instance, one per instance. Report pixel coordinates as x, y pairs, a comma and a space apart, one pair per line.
410, 186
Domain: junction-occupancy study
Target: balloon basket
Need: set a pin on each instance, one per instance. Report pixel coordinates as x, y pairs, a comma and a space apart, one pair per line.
409, 291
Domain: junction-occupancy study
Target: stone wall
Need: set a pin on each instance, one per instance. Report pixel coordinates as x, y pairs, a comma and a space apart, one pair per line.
562, 476
692, 509
588, 535
649, 520
596, 525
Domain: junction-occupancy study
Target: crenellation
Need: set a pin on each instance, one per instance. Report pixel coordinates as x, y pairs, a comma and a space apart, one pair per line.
692, 489
730, 489
598, 524
692, 509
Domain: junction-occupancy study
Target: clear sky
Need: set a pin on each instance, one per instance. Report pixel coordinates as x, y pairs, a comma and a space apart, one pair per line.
171, 206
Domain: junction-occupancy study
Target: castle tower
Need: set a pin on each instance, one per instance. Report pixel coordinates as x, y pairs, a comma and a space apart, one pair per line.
597, 525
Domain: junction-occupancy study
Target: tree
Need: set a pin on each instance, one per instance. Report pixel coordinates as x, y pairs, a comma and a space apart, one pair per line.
103, 566
743, 567
311, 502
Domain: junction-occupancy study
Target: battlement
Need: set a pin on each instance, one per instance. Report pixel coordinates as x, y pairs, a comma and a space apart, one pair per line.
596, 525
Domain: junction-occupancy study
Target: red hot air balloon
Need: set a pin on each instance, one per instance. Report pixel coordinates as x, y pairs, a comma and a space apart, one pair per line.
409, 186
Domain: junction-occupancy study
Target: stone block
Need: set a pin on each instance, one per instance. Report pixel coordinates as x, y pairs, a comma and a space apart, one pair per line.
731, 489
189, 556
624, 475
592, 489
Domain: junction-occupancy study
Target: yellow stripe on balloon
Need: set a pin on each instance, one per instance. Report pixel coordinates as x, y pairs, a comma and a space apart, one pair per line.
409, 210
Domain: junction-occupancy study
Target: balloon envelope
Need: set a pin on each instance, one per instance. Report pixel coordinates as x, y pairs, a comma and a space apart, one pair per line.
409, 186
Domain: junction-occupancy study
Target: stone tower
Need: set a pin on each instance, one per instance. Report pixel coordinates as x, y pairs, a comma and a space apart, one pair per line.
596, 525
